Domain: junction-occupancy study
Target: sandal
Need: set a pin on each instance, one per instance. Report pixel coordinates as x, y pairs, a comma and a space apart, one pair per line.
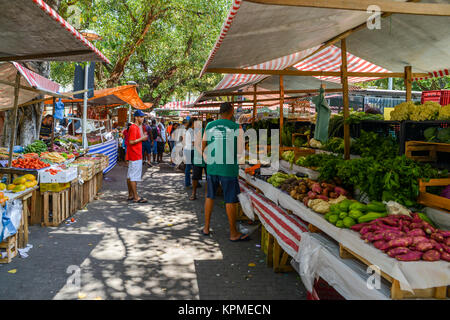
242, 237
193, 198
130, 199
205, 234
141, 200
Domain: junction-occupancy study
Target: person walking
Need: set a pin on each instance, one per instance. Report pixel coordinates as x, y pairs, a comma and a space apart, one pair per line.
161, 142
172, 139
154, 136
222, 167
188, 152
199, 164
134, 156
146, 145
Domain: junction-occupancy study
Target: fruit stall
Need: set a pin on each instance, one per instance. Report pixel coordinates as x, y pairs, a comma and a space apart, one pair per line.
360, 200
33, 173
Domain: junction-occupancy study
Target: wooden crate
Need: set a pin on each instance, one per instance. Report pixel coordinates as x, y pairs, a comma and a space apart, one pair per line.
276, 257
396, 292
430, 147
74, 196
99, 182
432, 200
10, 247
295, 135
59, 204
299, 152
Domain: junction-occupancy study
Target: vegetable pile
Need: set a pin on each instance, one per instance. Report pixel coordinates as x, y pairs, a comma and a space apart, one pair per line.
428, 111
29, 163
37, 146
406, 238
349, 212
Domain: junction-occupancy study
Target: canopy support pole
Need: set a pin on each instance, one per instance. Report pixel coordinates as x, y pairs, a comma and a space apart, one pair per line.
281, 108
85, 98
12, 140
408, 82
53, 125
254, 104
344, 81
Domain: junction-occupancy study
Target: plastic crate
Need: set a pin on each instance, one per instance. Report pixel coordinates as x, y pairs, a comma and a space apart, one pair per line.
381, 127
54, 187
440, 96
414, 130
445, 97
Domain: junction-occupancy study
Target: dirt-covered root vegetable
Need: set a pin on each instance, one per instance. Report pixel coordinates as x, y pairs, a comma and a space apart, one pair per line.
400, 242
391, 235
445, 256
419, 239
438, 237
410, 256
437, 246
340, 191
431, 255
358, 227
365, 229
376, 236
380, 244
416, 233
424, 246
445, 233
445, 247
396, 251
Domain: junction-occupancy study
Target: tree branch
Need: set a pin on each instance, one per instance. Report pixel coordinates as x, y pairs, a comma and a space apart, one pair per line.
129, 11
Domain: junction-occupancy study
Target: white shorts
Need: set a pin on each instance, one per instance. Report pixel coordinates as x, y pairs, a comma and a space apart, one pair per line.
135, 170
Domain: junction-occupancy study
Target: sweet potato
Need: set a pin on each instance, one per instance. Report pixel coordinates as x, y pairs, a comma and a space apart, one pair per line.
416, 233
316, 188
416, 218
396, 251
312, 195
340, 191
410, 256
305, 201
391, 221
445, 233
438, 237
400, 242
437, 246
424, 246
391, 235
428, 228
419, 239
365, 229
387, 227
416, 225
445, 256
380, 244
445, 247
358, 227
376, 236
325, 198
431, 255
366, 236
447, 242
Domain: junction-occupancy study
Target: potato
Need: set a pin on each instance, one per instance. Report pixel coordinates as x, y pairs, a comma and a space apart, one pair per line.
431, 255
410, 256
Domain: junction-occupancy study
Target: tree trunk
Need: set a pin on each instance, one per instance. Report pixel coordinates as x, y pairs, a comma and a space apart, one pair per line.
29, 117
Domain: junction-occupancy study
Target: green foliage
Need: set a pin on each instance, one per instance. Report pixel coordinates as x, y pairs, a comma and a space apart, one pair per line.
165, 59
371, 144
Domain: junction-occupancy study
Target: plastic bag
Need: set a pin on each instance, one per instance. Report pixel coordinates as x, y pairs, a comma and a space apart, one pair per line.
246, 205
396, 208
11, 218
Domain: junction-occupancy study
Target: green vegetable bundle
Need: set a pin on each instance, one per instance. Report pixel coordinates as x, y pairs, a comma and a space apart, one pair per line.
37, 146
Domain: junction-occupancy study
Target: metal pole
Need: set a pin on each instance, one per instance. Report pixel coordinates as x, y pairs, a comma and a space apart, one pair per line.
85, 98
12, 141
53, 125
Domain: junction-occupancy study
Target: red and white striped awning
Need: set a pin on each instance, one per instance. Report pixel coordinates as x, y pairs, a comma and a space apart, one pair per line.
329, 59
29, 79
258, 32
33, 28
187, 106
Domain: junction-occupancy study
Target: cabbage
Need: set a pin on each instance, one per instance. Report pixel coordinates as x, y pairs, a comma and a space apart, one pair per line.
430, 133
444, 135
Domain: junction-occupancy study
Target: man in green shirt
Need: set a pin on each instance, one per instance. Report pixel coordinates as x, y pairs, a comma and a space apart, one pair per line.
220, 148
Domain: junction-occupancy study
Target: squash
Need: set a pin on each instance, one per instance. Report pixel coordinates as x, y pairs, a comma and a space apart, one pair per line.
29, 177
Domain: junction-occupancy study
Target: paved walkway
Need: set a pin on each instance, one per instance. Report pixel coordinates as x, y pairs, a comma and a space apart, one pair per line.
116, 250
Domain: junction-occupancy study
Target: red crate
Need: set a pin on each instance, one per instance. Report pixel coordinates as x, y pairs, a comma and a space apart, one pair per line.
440, 96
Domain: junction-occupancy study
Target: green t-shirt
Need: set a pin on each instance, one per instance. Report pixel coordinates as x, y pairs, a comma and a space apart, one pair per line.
221, 151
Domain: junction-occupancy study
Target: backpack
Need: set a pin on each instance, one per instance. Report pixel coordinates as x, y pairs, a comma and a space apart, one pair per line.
154, 132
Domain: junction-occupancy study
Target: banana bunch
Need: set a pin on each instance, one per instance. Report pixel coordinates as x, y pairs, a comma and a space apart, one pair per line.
54, 157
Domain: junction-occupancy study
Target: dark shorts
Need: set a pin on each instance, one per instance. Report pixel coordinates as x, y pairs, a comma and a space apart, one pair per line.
197, 172
155, 147
146, 147
171, 143
161, 147
230, 187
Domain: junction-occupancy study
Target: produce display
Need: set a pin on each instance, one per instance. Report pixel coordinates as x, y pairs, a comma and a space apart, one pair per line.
4, 154
37, 146
435, 134
406, 238
54, 157
428, 111
29, 163
3, 198
350, 212
21, 183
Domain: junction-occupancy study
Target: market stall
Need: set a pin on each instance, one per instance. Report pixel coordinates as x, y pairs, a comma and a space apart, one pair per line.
342, 196
36, 32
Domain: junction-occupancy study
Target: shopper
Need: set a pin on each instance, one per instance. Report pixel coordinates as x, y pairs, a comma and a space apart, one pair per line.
134, 156
154, 136
46, 128
199, 164
146, 145
220, 136
172, 139
188, 152
161, 142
